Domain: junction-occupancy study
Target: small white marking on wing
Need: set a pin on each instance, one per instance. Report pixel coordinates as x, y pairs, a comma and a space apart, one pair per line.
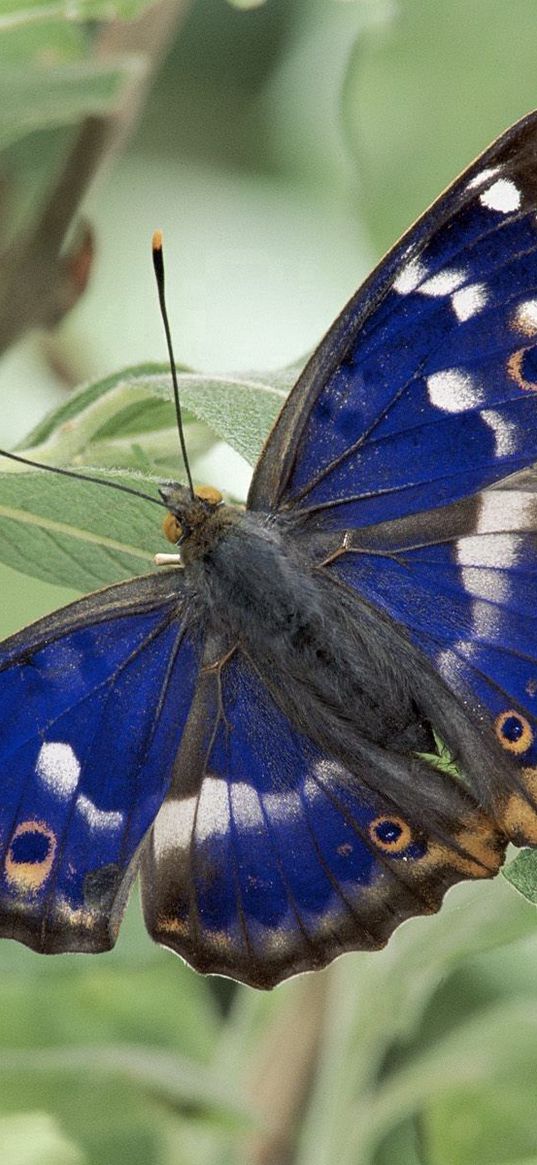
98, 818
409, 277
245, 807
469, 300
486, 620
213, 809
502, 196
525, 317
313, 789
483, 177
443, 283
466, 647
329, 770
173, 825
449, 664
58, 767
486, 584
453, 391
505, 432
283, 807
506, 511
496, 550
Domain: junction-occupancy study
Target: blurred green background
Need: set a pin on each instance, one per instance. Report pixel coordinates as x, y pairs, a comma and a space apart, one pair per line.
281, 146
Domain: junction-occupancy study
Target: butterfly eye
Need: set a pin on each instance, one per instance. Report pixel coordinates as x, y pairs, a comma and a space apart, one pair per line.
172, 529
522, 367
208, 493
513, 731
30, 856
390, 834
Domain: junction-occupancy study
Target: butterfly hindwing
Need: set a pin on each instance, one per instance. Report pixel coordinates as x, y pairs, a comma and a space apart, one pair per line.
268, 858
460, 580
93, 703
424, 389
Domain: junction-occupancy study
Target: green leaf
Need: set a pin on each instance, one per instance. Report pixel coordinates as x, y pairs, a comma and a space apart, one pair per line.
441, 759
40, 98
240, 410
34, 1138
376, 1005
522, 874
21, 12
493, 1045
404, 125
486, 1124
76, 535
126, 391
81, 536
172, 1078
51, 42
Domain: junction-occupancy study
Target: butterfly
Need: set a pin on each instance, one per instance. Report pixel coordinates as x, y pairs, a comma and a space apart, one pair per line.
254, 730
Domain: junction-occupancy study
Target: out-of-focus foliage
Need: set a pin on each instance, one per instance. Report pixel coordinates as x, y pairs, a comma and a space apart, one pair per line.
279, 149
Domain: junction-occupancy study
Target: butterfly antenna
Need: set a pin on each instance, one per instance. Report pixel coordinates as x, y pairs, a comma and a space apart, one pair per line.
125, 489
158, 264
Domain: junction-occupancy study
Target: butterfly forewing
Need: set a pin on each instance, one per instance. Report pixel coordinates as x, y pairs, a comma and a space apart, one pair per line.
424, 390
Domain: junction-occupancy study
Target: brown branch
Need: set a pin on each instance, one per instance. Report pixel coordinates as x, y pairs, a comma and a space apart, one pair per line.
39, 281
280, 1079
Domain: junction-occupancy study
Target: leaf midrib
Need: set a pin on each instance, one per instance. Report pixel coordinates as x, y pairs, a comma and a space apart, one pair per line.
64, 528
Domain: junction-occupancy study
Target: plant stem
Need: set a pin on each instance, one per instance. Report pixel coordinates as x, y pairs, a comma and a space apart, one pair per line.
40, 281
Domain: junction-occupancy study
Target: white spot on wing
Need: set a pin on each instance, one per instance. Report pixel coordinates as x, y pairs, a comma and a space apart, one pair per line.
503, 196
213, 809
245, 807
486, 584
485, 558
525, 317
409, 277
496, 550
453, 391
173, 825
469, 300
505, 432
487, 620
449, 665
98, 818
443, 283
329, 770
483, 177
282, 807
58, 768
506, 511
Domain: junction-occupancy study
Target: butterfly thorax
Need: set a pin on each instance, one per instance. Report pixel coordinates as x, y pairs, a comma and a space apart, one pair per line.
252, 586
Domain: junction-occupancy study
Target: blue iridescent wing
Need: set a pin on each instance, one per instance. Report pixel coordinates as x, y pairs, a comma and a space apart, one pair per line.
423, 390
268, 858
94, 699
462, 581
420, 397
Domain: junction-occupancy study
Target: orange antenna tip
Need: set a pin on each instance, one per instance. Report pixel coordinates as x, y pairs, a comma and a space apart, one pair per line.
156, 241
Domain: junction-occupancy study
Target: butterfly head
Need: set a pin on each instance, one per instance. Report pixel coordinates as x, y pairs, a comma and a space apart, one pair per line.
187, 513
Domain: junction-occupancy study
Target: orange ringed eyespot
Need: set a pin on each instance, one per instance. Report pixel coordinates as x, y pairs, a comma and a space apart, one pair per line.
390, 833
519, 372
30, 856
513, 731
